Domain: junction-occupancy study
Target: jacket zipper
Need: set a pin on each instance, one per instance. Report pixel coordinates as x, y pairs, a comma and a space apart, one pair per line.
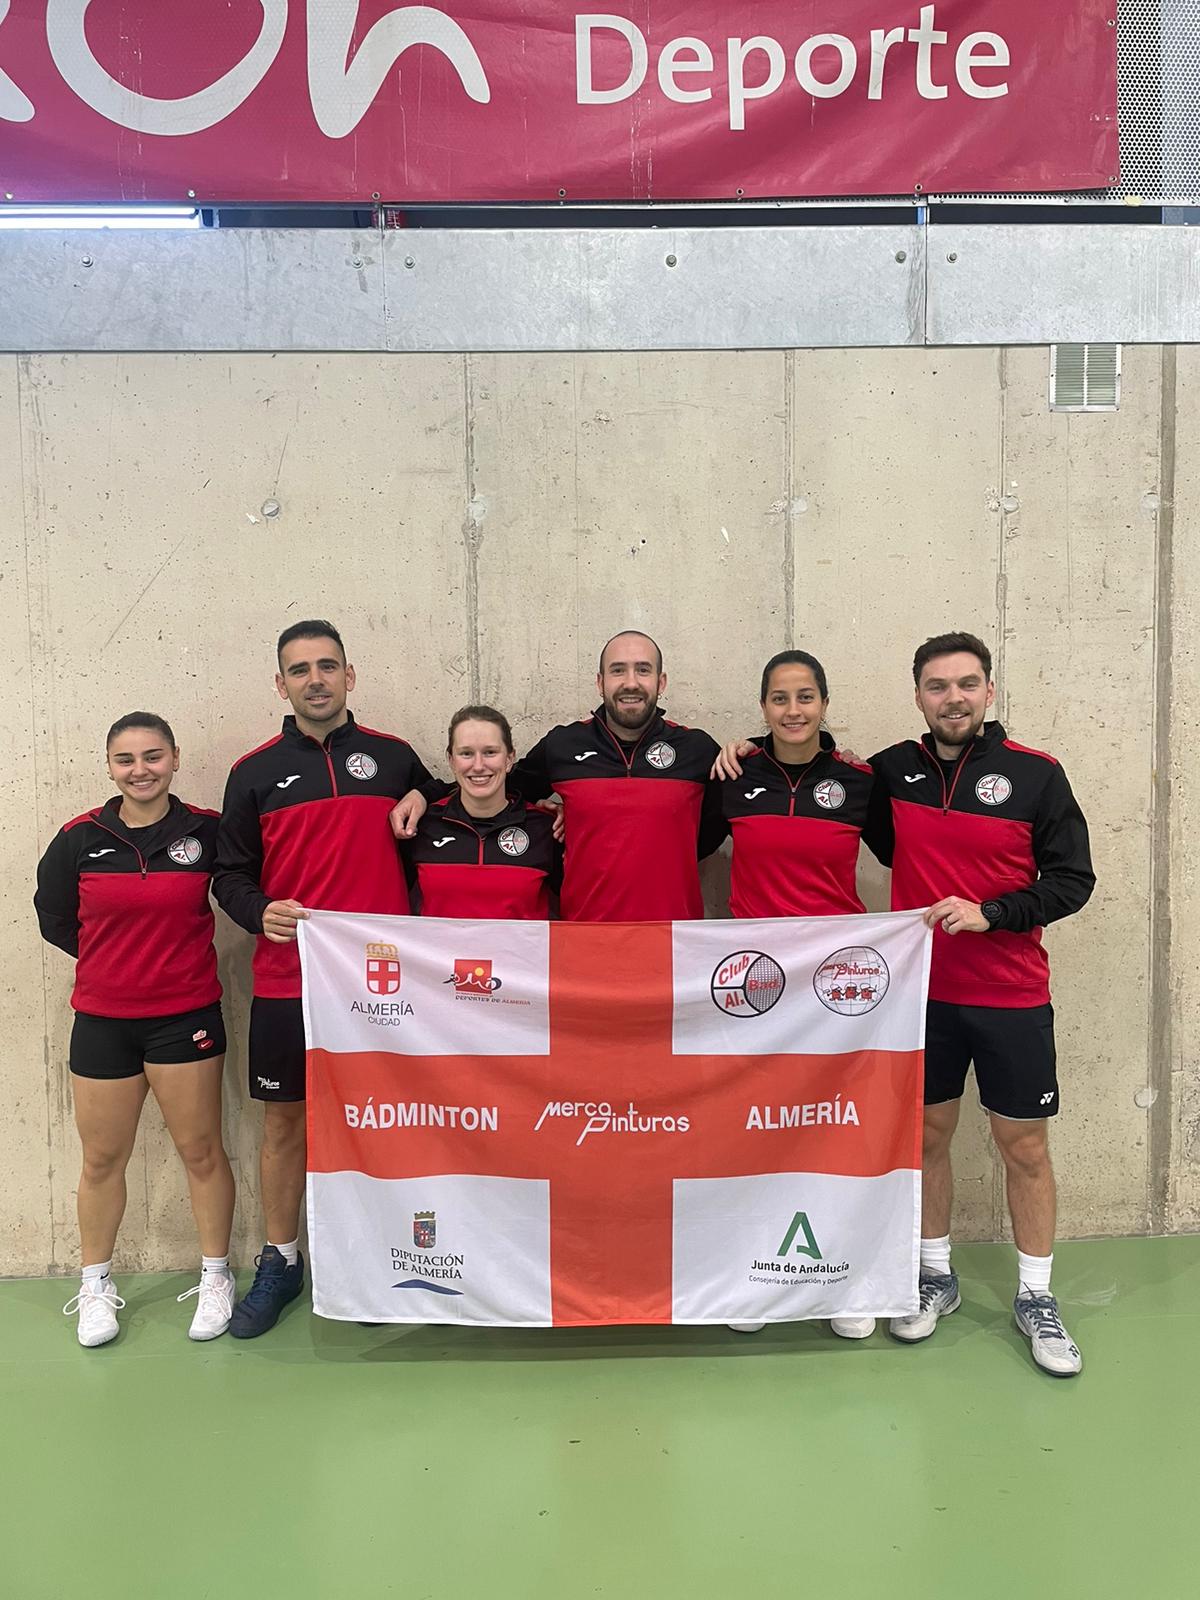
632, 756
947, 797
793, 788
142, 860
454, 822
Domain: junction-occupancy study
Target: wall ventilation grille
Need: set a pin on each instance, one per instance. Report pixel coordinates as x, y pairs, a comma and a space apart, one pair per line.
1085, 377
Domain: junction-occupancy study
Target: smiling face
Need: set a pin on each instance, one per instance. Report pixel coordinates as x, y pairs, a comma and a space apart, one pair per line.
480, 762
954, 696
314, 677
794, 709
630, 682
142, 763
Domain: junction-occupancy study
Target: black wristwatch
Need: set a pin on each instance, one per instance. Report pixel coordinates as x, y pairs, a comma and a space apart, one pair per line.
994, 912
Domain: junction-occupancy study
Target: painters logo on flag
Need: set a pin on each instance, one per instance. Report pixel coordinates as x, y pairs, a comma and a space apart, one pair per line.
473, 977
383, 968
852, 981
424, 1229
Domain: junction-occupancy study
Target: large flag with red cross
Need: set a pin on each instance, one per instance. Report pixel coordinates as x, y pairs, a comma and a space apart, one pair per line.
577, 1123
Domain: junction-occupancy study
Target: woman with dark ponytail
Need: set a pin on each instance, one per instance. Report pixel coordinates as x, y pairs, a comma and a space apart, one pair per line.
796, 808
124, 890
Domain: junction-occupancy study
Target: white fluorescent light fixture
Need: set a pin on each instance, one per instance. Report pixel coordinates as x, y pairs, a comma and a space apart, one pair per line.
59, 217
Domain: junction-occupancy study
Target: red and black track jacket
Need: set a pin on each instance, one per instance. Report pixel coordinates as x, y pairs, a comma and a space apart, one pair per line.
638, 817
308, 821
500, 866
1001, 824
795, 840
132, 905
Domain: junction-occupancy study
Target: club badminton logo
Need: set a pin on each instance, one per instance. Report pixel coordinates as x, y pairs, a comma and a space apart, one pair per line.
830, 794
852, 981
514, 841
661, 756
747, 983
361, 766
186, 851
993, 789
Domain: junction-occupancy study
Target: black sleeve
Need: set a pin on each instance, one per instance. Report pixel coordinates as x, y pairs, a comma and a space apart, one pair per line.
237, 878
879, 830
57, 899
434, 789
405, 849
531, 775
420, 772
714, 828
1064, 862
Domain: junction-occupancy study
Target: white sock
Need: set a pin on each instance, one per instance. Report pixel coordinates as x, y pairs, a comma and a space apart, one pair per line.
100, 1269
289, 1252
1033, 1272
935, 1255
215, 1266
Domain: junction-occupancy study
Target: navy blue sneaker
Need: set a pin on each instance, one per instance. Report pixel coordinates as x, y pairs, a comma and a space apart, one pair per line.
275, 1284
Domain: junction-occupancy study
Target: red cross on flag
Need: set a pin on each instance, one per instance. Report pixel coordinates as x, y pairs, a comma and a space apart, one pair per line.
641, 1123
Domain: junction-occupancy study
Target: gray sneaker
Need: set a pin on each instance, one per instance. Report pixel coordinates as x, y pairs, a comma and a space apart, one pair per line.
1053, 1348
939, 1297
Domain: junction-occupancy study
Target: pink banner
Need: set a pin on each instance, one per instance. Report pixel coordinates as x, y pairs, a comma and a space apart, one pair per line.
485, 100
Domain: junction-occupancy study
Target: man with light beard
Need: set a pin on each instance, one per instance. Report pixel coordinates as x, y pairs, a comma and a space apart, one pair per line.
989, 836
304, 825
632, 848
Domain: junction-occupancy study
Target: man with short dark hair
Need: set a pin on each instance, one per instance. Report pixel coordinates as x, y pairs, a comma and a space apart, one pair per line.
304, 824
989, 836
633, 849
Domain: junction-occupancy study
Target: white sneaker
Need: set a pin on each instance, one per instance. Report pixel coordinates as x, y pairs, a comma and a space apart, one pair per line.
852, 1327
97, 1304
1053, 1348
746, 1327
939, 1297
214, 1308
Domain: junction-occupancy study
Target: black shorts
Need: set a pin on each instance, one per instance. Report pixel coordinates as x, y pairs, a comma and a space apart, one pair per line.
277, 1050
117, 1047
1013, 1052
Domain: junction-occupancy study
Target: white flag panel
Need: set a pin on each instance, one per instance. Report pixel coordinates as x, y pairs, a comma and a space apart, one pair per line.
809, 987
452, 1248
421, 986
783, 1246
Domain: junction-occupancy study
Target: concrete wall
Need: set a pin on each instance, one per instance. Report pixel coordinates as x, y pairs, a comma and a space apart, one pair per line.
478, 525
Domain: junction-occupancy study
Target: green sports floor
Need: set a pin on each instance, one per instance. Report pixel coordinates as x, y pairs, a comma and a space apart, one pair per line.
328, 1460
